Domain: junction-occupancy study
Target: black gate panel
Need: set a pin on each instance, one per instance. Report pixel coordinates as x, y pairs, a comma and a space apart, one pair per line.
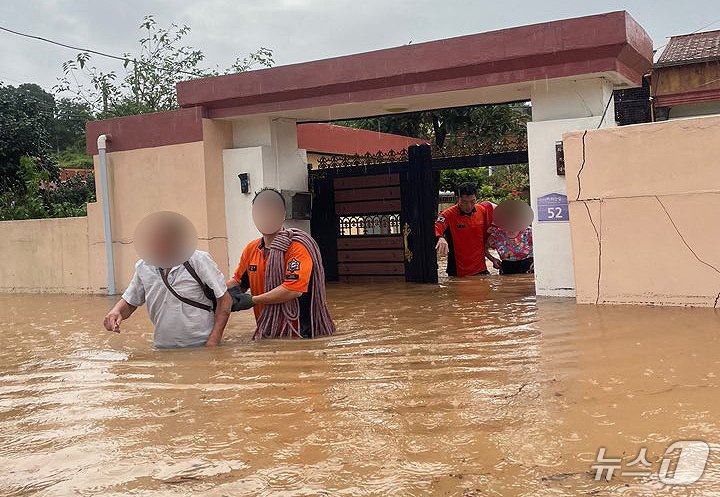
419, 201
323, 221
373, 216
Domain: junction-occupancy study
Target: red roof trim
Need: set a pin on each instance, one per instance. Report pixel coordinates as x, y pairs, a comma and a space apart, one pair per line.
570, 47
333, 139
147, 130
687, 97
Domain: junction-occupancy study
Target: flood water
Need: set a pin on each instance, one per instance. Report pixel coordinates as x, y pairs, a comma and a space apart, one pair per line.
471, 388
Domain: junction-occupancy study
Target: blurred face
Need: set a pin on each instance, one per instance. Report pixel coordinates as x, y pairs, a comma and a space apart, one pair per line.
466, 203
165, 239
164, 243
268, 212
513, 216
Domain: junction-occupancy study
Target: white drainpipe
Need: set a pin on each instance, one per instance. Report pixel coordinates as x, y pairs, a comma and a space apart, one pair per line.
109, 259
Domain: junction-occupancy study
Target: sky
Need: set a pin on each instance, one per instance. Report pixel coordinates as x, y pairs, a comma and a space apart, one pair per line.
296, 30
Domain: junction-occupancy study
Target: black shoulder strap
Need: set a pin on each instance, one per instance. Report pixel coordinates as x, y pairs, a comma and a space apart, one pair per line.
205, 287
183, 299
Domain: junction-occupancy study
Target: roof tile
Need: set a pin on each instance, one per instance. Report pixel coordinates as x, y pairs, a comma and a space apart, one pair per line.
691, 48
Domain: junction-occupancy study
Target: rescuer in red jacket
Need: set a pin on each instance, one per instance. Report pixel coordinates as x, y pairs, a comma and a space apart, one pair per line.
461, 232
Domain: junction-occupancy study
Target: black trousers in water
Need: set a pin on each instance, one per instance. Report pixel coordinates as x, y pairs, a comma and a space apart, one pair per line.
516, 267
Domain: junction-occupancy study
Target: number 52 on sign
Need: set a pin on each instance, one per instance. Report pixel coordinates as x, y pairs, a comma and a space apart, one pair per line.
552, 207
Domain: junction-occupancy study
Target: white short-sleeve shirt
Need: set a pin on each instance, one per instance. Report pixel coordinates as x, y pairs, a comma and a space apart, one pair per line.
177, 324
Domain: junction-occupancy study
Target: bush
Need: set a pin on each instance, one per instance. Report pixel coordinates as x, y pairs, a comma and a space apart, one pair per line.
73, 158
42, 198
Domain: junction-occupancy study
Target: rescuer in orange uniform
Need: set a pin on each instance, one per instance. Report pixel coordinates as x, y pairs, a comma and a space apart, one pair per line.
269, 216
284, 272
461, 232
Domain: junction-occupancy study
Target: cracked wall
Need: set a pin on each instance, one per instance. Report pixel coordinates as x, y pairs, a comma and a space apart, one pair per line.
644, 202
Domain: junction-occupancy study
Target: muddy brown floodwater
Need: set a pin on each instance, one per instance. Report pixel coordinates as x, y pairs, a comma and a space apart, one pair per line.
470, 388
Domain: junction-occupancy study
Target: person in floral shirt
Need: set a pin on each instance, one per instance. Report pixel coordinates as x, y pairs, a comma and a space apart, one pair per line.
511, 236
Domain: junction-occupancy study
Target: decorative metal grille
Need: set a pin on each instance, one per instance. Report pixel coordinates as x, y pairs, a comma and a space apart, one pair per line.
366, 225
368, 159
506, 144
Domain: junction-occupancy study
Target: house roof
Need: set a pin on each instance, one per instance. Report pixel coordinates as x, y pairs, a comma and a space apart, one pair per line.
333, 139
491, 67
690, 49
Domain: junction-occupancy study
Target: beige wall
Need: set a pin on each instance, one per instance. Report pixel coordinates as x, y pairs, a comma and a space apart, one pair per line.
185, 178
217, 136
50, 255
653, 194
68, 255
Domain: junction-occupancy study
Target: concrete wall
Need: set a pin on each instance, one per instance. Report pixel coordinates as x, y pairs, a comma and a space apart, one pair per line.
238, 205
197, 179
217, 136
185, 178
558, 107
643, 220
148, 180
47, 255
266, 149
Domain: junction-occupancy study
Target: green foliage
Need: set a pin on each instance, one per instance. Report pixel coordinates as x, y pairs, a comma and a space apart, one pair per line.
38, 132
150, 75
26, 204
451, 178
73, 158
475, 125
26, 128
466, 125
42, 198
480, 125
69, 128
505, 183
415, 125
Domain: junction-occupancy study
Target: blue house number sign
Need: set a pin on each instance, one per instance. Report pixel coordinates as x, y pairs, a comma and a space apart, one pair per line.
552, 207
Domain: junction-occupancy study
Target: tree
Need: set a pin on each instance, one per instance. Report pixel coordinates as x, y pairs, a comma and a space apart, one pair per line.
471, 125
26, 129
150, 75
468, 126
69, 128
480, 124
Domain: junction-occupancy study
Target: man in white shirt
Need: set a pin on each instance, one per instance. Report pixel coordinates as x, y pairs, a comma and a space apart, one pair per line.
179, 296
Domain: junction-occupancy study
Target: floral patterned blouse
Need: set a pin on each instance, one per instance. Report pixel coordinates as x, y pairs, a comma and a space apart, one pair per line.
511, 249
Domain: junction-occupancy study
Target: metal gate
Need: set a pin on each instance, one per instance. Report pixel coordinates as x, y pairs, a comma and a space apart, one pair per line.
371, 221
373, 216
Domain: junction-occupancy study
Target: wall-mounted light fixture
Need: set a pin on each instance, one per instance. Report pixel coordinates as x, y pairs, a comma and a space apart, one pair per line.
559, 159
244, 182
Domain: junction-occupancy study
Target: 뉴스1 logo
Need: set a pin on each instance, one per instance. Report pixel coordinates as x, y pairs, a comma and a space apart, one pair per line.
682, 464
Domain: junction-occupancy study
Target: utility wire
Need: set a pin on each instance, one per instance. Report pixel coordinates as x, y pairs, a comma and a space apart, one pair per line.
125, 60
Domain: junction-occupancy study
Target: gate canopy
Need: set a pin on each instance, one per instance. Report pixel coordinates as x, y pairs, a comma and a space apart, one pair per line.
497, 66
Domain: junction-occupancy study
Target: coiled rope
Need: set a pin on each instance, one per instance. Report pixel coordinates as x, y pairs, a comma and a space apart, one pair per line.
282, 320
